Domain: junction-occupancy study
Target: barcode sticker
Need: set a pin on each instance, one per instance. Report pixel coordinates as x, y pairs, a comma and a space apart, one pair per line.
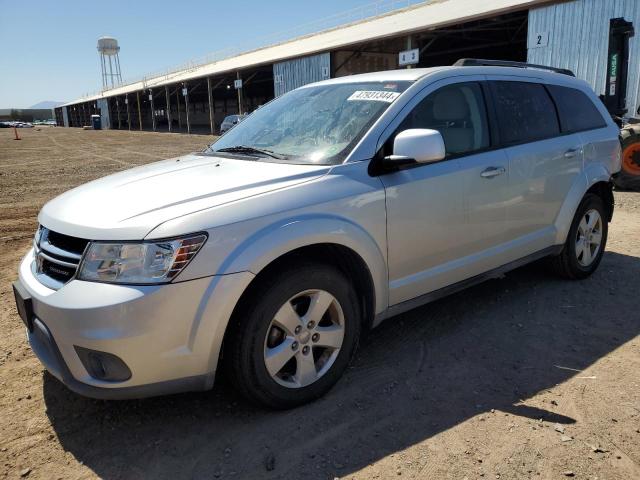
373, 95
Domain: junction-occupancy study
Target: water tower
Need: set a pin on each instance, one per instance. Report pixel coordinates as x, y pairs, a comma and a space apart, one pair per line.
110, 61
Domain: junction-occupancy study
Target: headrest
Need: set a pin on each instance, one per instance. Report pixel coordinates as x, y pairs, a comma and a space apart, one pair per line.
450, 105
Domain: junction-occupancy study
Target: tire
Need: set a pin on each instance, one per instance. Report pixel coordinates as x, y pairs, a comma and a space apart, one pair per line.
575, 262
264, 335
629, 176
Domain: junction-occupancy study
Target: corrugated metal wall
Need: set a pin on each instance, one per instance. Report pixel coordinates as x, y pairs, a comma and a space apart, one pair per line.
294, 73
103, 105
65, 116
578, 39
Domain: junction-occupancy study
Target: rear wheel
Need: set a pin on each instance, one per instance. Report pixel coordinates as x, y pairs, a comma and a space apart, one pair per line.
294, 336
629, 176
586, 241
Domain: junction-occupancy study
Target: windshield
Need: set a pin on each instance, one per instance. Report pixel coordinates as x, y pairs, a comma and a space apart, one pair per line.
317, 125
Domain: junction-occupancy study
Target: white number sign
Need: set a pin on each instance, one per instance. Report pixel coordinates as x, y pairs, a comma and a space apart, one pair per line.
539, 40
409, 57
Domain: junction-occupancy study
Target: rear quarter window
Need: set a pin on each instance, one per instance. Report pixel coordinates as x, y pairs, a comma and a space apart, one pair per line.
525, 112
577, 111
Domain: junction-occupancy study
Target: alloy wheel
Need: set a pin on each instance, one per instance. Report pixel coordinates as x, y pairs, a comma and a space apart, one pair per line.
589, 238
304, 338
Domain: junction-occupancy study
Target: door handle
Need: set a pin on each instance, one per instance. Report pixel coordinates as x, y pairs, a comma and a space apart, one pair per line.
572, 152
493, 172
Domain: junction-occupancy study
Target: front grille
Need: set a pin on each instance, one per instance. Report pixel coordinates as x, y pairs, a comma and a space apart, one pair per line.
59, 272
57, 257
67, 243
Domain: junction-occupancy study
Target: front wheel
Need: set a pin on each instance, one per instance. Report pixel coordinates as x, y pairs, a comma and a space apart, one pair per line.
586, 241
294, 336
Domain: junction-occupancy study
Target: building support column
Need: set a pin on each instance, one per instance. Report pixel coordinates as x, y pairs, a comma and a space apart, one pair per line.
178, 108
239, 94
126, 102
168, 106
153, 112
118, 112
139, 111
186, 105
213, 128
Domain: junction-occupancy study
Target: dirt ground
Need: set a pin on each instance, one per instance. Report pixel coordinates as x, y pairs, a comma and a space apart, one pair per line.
524, 377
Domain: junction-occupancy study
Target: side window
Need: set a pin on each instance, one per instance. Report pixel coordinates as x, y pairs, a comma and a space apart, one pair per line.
525, 112
577, 111
458, 112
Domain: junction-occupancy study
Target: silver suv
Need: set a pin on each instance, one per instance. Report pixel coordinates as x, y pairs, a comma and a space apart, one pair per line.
330, 209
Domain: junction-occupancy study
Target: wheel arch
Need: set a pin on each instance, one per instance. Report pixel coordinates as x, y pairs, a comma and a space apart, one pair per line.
595, 179
342, 258
325, 239
605, 191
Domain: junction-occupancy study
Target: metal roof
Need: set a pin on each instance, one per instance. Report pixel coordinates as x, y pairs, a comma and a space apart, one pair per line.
433, 14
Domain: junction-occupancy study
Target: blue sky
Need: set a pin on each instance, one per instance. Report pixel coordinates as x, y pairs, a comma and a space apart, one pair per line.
48, 48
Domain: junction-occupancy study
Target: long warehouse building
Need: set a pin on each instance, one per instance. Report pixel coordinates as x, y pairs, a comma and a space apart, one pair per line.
593, 38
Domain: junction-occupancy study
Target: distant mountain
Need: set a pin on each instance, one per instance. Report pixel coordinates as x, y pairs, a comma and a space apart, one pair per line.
46, 104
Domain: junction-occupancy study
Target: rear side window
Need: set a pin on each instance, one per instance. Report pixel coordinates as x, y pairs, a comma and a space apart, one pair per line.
577, 111
525, 112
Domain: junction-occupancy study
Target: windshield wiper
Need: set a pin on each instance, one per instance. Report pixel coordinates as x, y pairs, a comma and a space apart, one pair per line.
249, 150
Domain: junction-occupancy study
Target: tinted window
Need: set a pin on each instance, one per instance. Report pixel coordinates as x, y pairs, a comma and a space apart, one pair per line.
577, 111
525, 112
458, 112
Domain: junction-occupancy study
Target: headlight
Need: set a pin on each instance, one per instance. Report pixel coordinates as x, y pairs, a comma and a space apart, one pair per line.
139, 263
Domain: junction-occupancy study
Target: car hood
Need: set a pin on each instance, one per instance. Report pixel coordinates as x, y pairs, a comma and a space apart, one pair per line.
129, 204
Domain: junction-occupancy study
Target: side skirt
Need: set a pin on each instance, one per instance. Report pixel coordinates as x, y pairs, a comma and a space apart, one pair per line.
469, 282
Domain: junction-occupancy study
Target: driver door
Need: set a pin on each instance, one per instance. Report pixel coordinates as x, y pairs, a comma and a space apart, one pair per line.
444, 219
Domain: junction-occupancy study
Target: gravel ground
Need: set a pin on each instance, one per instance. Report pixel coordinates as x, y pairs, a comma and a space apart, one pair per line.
524, 377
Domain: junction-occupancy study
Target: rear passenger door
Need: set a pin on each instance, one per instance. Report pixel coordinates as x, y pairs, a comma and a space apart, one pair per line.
543, 162
579, 115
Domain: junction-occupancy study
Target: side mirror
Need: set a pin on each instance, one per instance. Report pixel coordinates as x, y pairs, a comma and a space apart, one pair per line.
417, 145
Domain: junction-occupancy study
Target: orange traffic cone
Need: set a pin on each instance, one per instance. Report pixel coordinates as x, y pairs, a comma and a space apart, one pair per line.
15, 131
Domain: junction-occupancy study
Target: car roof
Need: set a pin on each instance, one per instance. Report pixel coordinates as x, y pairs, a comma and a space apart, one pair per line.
415, 74
410, 75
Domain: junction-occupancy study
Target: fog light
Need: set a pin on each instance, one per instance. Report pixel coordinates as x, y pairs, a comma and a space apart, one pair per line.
103, 366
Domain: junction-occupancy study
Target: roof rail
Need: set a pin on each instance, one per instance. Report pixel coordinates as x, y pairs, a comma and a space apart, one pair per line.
477, 62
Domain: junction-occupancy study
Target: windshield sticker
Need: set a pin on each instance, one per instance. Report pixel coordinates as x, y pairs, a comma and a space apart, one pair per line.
372, 95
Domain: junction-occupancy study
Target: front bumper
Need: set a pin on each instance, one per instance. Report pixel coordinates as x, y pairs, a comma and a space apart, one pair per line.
169, 336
